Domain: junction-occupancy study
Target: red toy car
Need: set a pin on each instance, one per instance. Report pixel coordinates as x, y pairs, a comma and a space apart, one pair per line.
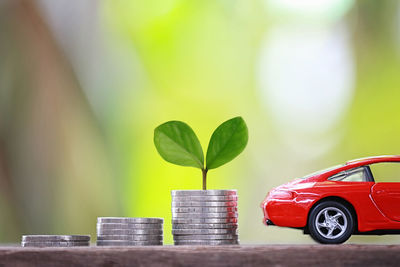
337, 202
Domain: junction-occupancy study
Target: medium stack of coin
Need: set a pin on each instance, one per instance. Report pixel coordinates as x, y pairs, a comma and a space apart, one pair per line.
117, 231
204, 217
55, 240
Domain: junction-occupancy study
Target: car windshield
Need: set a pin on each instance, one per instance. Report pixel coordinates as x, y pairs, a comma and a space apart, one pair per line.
322, 171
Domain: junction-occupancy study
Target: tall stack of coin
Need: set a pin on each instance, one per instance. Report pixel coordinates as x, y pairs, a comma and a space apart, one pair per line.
204, 217
55, 240
117, 231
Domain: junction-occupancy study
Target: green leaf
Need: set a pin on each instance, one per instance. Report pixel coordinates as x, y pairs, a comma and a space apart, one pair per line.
227, 142
178, 144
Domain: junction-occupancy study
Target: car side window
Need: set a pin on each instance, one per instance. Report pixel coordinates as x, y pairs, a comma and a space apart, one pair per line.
386, 172
338, 177
353, 175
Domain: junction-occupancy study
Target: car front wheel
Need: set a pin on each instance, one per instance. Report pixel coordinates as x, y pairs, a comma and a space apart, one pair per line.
330, 222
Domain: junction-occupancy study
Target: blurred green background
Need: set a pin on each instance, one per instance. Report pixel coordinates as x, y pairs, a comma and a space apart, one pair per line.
83, 84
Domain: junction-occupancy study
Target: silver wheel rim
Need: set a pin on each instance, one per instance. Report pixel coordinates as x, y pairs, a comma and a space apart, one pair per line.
331, 223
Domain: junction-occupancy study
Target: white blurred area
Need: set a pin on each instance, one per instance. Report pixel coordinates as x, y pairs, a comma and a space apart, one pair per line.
306, 76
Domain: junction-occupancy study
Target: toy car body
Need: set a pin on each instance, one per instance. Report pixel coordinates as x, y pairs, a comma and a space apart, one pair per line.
335, 203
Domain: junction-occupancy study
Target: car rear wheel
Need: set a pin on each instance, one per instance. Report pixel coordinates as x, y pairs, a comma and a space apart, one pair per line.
330, 222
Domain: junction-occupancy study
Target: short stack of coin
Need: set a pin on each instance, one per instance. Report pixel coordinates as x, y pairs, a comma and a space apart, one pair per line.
121, 231
55, 240
204, 217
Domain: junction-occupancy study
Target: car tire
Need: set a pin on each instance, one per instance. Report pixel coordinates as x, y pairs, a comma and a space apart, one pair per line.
330, 222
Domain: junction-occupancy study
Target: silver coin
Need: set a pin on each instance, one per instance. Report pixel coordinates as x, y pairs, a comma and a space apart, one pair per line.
203, 192
203, 231
205, 204
203, 198
55, 244
198, 215
129, 226
39, 238
205, 226
129, 220
207, 242
206, 237
203, 220
128, 243
101, 231
203, 209
131, 237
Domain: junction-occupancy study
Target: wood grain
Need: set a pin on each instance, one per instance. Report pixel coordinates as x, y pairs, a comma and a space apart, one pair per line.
244, 255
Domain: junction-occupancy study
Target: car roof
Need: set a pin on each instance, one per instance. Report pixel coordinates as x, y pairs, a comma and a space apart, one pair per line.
375, 159
323, 174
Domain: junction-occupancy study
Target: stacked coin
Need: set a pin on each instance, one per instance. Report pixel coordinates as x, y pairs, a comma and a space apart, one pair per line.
55, 240
204, 217
112, 231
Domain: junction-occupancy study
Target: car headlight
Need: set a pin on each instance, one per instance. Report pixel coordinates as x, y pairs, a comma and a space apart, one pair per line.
282, 194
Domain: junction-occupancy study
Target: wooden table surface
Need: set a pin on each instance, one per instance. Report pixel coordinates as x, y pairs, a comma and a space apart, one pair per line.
243, 255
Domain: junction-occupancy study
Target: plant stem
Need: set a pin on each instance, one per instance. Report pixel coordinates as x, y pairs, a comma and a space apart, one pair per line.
204, 171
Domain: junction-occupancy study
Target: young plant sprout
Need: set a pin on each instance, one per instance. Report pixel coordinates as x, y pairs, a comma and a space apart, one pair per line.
177, 143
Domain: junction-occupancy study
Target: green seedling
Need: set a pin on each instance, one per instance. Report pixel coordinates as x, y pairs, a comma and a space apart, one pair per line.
177, 143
